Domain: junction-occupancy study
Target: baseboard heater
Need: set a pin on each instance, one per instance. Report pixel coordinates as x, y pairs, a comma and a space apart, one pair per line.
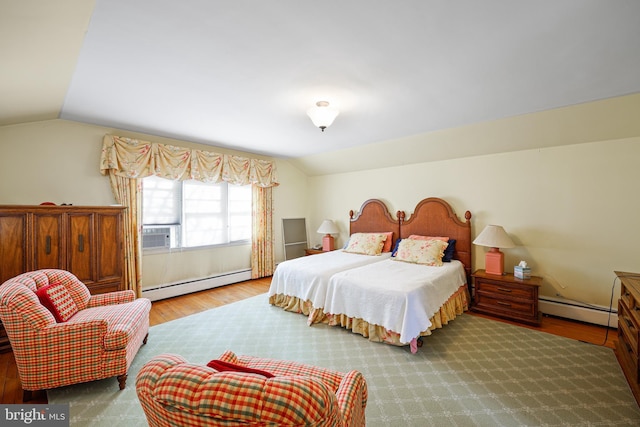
182, 288
575, 310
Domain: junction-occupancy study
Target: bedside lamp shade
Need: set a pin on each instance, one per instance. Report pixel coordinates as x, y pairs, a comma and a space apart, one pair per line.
328, 228
494, 237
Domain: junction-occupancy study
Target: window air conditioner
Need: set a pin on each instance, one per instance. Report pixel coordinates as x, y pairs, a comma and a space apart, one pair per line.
156, 237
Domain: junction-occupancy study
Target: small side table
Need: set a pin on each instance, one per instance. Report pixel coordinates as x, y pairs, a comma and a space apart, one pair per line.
507, 297
313, 251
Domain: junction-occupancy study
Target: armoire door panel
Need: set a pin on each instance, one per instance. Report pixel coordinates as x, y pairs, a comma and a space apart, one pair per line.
81, 246
48, 248
13, 245
109, 246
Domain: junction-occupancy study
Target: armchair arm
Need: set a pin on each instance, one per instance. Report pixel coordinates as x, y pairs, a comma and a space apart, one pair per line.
111, 298
352, 398
60, 354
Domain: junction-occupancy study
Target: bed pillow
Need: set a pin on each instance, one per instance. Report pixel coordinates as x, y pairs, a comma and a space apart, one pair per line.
448, 253
57, 299
418, 237
366, 243
394, 252
388, 243
221, 366
418, 251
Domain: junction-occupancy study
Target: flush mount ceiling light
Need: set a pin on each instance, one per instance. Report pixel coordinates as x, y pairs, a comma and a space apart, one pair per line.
322, 115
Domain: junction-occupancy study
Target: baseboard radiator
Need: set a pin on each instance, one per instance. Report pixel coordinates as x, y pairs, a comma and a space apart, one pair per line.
575, 310
182, 288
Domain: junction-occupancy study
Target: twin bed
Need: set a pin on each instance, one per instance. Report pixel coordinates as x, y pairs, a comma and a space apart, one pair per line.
377, 296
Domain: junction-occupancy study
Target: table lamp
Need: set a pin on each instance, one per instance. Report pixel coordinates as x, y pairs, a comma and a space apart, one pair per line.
494, 237
328, 228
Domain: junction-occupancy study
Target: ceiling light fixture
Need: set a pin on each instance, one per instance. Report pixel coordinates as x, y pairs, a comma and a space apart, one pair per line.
322, 115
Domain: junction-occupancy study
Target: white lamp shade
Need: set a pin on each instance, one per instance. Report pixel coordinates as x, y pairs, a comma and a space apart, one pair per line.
322, 115
494, 236
328, 227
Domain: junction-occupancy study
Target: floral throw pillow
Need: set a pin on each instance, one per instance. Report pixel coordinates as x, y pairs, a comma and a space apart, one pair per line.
58, 301
366, 243
427, 252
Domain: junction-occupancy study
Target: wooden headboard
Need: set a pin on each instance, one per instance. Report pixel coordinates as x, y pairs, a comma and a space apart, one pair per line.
435, 217
373, 217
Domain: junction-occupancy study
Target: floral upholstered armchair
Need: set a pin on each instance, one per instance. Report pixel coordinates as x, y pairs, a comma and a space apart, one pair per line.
245, 390
61, 334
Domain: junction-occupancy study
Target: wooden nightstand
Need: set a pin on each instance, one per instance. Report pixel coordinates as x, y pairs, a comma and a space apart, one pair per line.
507, 297
313, 251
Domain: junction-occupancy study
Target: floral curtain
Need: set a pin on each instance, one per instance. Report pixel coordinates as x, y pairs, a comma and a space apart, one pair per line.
125, 159
127, 193
262, 256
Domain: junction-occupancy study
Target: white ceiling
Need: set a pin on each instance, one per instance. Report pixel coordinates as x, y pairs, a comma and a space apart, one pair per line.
241, 74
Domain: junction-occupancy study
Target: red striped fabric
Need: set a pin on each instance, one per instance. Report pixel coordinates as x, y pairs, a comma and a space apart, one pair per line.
175, 392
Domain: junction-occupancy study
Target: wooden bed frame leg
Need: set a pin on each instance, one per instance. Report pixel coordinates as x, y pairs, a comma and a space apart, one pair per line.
27, 395
122, 380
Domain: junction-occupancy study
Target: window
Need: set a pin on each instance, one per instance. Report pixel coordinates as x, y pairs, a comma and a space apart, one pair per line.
197, 213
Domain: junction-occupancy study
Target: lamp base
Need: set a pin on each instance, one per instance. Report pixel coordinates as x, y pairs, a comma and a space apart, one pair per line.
328, 243
494, 262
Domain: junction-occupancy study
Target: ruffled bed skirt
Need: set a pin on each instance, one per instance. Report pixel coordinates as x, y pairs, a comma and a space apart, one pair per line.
457, 304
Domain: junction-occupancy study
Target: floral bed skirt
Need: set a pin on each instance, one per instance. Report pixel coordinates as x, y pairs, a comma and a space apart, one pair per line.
457, 304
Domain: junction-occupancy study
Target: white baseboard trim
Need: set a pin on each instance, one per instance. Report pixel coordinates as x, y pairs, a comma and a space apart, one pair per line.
569, 309
182, 288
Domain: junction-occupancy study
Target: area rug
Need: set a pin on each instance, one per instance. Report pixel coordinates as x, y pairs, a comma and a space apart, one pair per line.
473, 372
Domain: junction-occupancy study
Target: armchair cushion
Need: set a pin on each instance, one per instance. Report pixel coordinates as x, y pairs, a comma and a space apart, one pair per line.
58, 301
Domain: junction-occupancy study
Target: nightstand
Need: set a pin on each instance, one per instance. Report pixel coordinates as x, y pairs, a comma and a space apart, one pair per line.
507, 297
313, 251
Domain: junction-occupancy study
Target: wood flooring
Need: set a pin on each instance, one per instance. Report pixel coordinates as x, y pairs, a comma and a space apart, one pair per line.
175, 308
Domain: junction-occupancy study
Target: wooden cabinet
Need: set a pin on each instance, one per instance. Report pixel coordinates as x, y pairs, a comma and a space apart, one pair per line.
627, 350
86, 241
506, 296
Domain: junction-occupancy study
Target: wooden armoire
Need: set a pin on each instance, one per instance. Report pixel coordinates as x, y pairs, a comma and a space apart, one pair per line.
85, 240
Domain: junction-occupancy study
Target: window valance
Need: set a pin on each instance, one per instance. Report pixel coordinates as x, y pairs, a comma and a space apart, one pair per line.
133, 158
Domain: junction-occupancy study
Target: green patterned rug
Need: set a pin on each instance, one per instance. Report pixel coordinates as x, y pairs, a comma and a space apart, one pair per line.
474, 372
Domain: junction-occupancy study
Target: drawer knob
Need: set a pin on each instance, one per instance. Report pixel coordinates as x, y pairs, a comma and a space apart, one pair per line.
504, 289
504, 303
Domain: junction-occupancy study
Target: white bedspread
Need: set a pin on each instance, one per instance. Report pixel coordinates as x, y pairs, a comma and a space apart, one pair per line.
307, 277
399, 296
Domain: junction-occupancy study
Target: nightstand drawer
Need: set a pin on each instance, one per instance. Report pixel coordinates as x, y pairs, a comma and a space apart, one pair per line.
505, 290
507, 306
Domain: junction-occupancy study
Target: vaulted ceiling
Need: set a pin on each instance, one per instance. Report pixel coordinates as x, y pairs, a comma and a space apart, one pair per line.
241, 74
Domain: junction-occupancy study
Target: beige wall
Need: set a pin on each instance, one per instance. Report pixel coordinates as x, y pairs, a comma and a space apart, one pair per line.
58, 161
571, 209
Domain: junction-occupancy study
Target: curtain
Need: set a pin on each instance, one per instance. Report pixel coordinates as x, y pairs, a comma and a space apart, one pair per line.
262, 254
126, 160
127, 193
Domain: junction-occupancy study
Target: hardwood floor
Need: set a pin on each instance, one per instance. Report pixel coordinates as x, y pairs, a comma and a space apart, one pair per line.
174, 308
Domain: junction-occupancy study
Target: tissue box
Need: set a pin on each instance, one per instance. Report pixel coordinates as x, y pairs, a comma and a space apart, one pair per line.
522, 272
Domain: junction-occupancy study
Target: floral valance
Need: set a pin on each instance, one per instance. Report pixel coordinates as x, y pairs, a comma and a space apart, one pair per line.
133, 158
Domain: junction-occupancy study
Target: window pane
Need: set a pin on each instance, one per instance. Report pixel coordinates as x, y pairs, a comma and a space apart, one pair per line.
203, 207
239, 212
161, 200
